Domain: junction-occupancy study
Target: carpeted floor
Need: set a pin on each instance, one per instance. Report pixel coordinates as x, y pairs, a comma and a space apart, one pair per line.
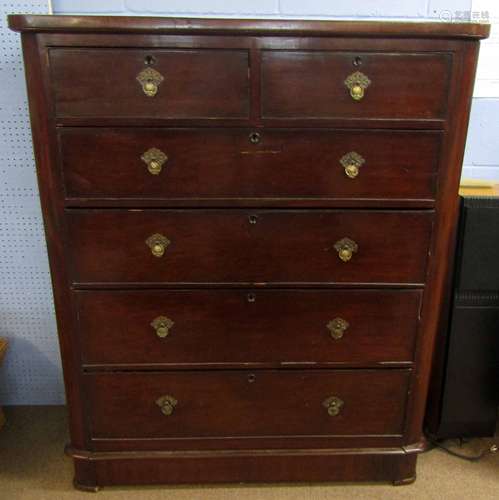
33, 467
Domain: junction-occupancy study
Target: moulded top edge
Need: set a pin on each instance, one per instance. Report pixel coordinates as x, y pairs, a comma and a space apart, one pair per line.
273, 27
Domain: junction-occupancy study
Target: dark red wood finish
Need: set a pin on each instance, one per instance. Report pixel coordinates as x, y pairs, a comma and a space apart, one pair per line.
435, 311
285, 465
223, 164
194, 82
241, 246
193, 26
237, 77
267, 403
315, 84
233, 325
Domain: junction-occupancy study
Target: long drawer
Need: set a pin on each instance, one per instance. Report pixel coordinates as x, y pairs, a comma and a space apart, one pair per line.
150, 83
308, 84
243, 246
246, 404
226, 164
214, 328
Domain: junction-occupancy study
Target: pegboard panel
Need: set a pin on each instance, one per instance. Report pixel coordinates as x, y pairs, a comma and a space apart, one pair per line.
31, 373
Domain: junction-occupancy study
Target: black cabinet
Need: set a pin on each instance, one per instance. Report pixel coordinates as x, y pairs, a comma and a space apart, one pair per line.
464, 391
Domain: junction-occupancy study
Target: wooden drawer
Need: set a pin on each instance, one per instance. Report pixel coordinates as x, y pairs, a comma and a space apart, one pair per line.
226, 327
311, 84
245, 404
248, 246
197, 83
224, 164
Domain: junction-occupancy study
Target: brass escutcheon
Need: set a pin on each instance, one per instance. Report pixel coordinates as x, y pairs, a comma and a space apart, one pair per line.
357, 83
333, 405
154, 158
158, 244
167, 404
162, 325
346, 248
337, 328
352, 162
150, 79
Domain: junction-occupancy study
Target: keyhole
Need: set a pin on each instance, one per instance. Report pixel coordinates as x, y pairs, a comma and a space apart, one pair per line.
251, 378
255, 137
149, 60
251, 297
357, 61
253, 219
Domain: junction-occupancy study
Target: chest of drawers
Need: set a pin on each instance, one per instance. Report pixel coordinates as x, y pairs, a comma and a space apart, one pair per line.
248, 225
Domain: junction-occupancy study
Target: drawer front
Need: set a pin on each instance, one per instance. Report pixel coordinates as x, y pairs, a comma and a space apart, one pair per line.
240, 403
306, 84
220, 327
109, 83
248, 246
224, 163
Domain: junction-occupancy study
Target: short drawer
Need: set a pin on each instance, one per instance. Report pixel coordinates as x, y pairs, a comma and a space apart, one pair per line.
150, 83
246, 404
318, 84
228, 164
230, 327
248, 246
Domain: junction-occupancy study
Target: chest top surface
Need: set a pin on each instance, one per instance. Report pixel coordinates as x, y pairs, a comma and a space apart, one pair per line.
115, 24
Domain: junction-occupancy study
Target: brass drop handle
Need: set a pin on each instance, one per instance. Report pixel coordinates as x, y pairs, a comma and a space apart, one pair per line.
333, 405
158, 244
352, 171
357, 83
346, 248
167, 404
352, 162
150, 79
162, 325
154, 159
337, 328
357, 92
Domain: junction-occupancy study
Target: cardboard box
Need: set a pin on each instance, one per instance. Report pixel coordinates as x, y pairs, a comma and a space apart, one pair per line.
476, 187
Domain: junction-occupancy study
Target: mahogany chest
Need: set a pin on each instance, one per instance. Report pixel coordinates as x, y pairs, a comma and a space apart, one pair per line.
248, 225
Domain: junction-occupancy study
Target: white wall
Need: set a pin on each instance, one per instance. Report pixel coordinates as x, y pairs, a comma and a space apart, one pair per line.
264, 8
31, 373
481, 160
